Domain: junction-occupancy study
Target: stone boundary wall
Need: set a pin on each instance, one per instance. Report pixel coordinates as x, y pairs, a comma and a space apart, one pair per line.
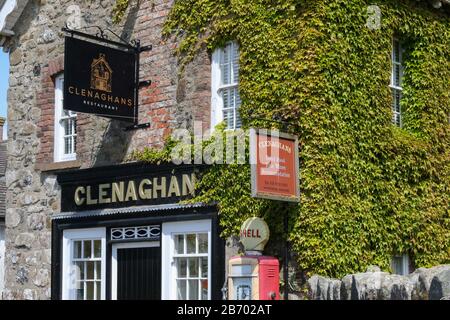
422, 284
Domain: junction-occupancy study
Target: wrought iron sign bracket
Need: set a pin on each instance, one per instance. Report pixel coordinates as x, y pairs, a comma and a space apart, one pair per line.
138, 84
133, 46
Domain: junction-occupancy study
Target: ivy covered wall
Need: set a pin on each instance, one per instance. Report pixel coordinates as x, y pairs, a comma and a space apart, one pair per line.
368, 188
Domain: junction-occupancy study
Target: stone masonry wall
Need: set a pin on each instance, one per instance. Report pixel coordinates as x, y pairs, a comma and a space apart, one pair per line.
36, 54
422, 284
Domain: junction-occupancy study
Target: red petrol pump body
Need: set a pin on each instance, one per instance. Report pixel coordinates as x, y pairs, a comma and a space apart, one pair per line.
254, 277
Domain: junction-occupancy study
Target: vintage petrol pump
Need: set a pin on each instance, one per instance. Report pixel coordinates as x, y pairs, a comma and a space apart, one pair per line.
253, 276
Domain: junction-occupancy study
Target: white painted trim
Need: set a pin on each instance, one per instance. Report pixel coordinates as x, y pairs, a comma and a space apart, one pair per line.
216, 99
6, 9
81, 234
128, 245
10, 12
58, 139
169, 229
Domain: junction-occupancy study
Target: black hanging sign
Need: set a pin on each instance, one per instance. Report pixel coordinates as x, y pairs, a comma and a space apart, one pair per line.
100, 80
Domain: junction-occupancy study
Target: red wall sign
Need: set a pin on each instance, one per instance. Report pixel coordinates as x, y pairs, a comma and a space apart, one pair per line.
274, 160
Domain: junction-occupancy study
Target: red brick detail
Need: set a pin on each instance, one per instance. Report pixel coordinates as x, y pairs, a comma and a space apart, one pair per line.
46, 102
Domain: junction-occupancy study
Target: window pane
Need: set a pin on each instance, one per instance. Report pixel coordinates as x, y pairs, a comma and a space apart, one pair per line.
204, 289
80, 292
66, 126
99, 290
193, 267
397, 75
235, 63
97, 248
181, 289
67, 145
225, 65
179, 244
90, 270
90, 291
182, 268
190, 243
228, 117
204, 264
87, 249
226, 98
397, 49
77, 249
79, 270
98, 270
203, 243
397, 265
193, 289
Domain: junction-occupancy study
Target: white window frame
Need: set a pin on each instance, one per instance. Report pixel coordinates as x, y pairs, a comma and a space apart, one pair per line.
169, 230
69, 236
126, 245
58, 149
217, 86
392, 85
405, 263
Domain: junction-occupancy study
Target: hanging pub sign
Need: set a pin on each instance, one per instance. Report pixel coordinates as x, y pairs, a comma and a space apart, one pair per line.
275, 165
99, 80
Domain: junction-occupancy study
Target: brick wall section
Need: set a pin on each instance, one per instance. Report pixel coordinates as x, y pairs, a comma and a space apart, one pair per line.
46, 103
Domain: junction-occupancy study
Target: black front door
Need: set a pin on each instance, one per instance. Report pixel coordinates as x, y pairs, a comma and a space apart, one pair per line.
139, 273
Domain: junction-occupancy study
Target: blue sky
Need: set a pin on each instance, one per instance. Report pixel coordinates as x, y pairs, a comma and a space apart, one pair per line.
4, 72
4, 75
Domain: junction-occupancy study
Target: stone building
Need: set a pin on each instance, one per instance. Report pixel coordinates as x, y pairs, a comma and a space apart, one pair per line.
46, 142
77, 215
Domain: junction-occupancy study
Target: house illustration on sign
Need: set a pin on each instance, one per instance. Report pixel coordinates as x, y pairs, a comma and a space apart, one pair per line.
101, 74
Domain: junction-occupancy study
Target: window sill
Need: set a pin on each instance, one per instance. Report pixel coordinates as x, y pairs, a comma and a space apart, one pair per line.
57, 166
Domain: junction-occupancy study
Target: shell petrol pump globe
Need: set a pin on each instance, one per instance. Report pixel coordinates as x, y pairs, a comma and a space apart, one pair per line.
254, 234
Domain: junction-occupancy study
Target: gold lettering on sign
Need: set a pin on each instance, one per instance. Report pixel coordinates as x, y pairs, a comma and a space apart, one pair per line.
117, 191
89, 199
131, 192
188, 183
145, 193
174, 187
102, 193
161, 187
79, 200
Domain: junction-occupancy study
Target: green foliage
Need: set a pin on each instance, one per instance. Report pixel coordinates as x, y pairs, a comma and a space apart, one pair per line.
119, 10
368, 188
